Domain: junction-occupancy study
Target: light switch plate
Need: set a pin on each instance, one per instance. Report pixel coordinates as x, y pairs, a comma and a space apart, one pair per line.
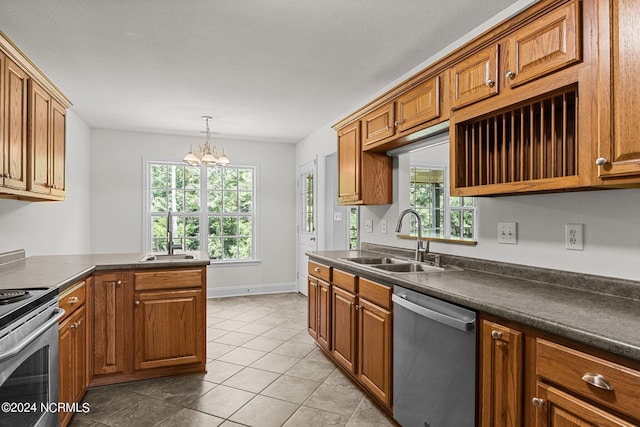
574, 240
368, 226
507, 233
337, 216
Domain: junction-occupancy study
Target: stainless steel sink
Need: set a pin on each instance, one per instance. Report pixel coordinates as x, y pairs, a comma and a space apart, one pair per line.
375, 261
409, 267
165, 257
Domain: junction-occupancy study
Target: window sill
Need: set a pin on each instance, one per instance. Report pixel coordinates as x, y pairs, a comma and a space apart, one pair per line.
229, 263
440, 239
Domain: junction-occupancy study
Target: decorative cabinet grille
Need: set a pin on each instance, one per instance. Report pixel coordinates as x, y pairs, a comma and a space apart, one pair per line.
530, 141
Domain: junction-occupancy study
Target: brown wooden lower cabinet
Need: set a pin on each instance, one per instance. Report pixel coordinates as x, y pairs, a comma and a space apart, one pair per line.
73, 373
148, 323
527, 378
169, 328
356, 314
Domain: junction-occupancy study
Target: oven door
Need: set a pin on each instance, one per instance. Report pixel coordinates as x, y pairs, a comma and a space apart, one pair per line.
29, 370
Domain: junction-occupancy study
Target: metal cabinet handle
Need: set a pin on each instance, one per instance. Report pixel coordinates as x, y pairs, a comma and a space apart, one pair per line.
396, 123
317, 269
597, 380
76, 324
73, 300
357, 307
537, 402
496, 335
510, 75
137, 303
490, 83
119, 282
601, 161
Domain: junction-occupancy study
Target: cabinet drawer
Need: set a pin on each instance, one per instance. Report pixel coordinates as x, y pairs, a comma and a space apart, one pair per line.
320, 271
375, 293
167, 279
344, 280
569, 368
73, 298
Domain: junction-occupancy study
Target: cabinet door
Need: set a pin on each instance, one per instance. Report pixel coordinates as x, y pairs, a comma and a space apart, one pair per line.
39, 137
558, 409
66, 368
419, 105
349, 157
312, 292
14, 96
378, 124
475, 78
81, 370
169, 328
344, 327
324, 314
544, 46
374, 350
501, 375
57, 162
619, 147
112, 310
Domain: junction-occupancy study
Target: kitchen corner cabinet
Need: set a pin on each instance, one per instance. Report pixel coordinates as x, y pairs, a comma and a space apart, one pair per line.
148, 323
111, 323
73, 356
32, 129
319, 313
501, 381
364, 178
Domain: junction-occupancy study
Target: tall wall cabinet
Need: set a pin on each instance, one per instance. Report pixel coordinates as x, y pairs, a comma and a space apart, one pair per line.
32, 129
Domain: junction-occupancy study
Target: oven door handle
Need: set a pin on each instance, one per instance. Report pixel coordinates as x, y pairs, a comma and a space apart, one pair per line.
58, 314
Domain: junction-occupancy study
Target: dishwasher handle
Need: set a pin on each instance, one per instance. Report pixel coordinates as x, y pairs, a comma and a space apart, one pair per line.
454, 322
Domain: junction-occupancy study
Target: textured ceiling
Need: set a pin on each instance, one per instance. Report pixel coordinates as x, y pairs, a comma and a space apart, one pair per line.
273, 70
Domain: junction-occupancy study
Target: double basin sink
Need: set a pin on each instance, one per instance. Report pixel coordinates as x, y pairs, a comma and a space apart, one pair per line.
396, 265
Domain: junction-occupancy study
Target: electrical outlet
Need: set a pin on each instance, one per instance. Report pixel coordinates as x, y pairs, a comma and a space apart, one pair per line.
383, 225
368, 226
574, 237
337, 216
507, 233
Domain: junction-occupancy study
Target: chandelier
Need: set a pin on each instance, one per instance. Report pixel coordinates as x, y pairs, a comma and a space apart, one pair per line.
210, 156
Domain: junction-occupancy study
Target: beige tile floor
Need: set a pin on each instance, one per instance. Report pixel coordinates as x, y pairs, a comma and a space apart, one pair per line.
263, 370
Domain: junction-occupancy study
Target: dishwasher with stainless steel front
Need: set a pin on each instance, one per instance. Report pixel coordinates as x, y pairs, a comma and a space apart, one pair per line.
434, 361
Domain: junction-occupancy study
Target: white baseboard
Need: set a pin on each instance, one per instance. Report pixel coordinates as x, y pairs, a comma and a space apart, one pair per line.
234, 291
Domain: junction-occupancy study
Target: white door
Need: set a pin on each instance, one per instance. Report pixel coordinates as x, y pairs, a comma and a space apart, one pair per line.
307, 218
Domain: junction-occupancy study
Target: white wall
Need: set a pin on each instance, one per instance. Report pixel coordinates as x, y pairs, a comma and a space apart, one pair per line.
116, 204
48, 228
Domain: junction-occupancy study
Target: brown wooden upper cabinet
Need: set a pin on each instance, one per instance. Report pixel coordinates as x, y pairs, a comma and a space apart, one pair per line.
618, 156
539, 48
32, 129
475, 78
364, 178
417, 106
544, 46
13, 131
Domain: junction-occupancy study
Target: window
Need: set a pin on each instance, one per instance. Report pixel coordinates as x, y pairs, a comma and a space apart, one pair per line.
213, 210
354, 227
442, 216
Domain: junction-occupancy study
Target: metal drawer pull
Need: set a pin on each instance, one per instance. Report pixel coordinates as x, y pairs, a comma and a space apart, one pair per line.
601, 161
490, 83
317, 269
119, 282
496, 335
597, 380
537, 402
73, 300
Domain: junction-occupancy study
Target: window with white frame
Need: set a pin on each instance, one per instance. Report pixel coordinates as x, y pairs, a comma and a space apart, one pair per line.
213, 210
442, 216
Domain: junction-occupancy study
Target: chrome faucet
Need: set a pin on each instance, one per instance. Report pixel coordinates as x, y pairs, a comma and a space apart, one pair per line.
170, 246
420, 249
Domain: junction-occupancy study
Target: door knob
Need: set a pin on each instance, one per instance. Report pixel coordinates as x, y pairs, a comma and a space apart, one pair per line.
601, 161
490, 83
537, 402
510, 75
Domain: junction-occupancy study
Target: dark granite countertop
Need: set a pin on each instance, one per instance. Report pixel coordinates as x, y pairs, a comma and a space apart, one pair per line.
59, 271
605, 321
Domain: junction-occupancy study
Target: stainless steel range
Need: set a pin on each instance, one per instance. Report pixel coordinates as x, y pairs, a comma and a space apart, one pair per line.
29, 357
